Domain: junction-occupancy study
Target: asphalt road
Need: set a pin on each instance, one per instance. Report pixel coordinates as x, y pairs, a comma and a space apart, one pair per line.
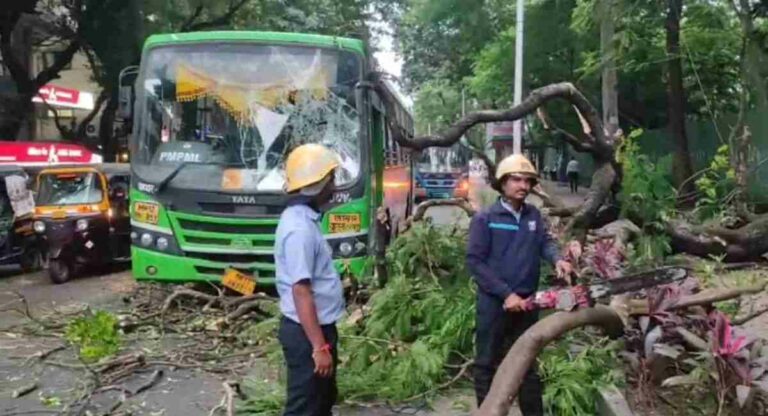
181, 392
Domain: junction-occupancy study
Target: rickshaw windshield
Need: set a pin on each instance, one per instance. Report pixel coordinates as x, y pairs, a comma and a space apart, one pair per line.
69, 189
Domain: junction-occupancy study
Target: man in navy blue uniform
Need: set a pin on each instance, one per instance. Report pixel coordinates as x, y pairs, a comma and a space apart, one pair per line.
506, 243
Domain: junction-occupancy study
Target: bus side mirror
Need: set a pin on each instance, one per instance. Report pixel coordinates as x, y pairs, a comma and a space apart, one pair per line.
125, 103
126, 92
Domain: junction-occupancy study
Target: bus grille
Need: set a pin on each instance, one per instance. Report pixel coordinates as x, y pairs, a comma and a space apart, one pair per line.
216, 245
212, 227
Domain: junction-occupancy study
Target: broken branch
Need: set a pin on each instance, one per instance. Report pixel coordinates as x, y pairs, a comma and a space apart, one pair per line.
523, 353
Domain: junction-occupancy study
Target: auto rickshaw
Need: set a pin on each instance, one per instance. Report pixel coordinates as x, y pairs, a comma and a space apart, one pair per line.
17, 240
81, 217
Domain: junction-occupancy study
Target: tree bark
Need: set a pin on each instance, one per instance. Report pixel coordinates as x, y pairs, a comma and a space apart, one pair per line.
16, 108
523, 353
509, 376
106, 129
594, 141
682, 168
742, 244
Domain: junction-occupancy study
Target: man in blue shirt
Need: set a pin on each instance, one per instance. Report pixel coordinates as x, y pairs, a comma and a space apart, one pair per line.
310, 290
506, 243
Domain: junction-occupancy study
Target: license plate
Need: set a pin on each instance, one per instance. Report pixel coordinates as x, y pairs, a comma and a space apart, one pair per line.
59, 215
239, 282
146, 212
344, 223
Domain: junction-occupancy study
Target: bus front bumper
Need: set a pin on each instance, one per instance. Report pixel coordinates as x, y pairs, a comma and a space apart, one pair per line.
155, 266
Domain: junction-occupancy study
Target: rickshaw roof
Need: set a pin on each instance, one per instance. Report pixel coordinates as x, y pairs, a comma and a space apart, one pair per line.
105, 168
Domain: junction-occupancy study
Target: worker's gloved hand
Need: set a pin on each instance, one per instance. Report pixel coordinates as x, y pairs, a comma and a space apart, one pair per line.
564, 271
514, 303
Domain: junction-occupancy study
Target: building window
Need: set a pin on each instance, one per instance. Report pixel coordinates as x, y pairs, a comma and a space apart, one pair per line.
46, 59
63, 113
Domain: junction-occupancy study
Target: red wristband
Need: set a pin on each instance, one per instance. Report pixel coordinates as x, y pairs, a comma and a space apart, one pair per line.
324, 348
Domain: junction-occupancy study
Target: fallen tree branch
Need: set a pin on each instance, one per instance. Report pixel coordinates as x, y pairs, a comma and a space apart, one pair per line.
746, 243
422, 208
24, 390
744, 319
188, 293
703, 298
248, 307
523, 353
462, 371
227, 402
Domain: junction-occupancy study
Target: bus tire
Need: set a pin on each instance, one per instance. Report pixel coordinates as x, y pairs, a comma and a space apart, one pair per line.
59, 271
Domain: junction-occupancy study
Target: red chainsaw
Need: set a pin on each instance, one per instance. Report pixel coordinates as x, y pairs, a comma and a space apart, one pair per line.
582, 296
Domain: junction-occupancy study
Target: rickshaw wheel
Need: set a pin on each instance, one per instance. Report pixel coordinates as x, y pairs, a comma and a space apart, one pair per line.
59, 271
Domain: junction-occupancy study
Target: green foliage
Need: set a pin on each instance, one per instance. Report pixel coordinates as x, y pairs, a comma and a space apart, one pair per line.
649, 250
647, 197
572, 377
266, 398
95, 335
715, 185
422, 320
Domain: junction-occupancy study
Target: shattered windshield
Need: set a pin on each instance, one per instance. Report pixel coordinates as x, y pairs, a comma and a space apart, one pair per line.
69, 189
232, 112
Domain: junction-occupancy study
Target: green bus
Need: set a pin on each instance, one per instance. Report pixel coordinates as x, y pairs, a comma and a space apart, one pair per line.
213, 116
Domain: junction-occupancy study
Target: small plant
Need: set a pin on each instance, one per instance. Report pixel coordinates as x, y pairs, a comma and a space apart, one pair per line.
606, 258
647, 198
716, 185
95, 335
649, 250
265, 398
573, 377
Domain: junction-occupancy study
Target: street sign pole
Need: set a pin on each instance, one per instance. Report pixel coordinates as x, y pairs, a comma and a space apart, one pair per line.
517, 132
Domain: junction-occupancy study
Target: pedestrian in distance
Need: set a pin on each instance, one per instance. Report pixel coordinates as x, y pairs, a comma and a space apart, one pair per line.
310, 290
572, 170
506, 243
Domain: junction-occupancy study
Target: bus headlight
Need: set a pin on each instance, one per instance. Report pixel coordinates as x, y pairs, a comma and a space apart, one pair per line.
162, 243
345, 249
134, 235
81, 224
39, 227
146, 239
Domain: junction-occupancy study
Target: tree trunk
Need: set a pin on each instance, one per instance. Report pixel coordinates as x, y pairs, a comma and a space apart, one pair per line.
106, 129
681, 168
523, 353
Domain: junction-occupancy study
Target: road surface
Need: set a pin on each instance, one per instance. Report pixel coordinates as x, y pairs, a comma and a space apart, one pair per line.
181, 392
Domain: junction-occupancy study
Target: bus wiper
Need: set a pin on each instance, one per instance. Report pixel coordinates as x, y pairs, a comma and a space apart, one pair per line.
159, 186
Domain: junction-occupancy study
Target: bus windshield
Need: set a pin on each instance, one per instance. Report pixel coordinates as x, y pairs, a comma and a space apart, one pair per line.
223, 116
69, 189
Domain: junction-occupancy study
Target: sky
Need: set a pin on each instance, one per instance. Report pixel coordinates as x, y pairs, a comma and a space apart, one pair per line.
388, 59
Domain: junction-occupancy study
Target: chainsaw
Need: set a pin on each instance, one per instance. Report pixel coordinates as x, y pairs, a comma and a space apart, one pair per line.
581, 296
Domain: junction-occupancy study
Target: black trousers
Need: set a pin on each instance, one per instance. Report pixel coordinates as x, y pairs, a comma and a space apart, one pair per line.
307, 394
496, 332
573, 179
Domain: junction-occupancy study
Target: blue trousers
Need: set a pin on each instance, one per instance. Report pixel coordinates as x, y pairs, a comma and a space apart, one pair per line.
496, 332
307, 394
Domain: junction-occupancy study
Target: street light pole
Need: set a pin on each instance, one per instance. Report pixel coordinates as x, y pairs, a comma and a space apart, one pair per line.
517, 126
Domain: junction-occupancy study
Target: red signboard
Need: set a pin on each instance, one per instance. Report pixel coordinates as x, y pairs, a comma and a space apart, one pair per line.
57, 96
45, 153
53, 94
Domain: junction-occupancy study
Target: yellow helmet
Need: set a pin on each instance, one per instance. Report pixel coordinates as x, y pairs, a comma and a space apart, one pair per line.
516, 164
307, 165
